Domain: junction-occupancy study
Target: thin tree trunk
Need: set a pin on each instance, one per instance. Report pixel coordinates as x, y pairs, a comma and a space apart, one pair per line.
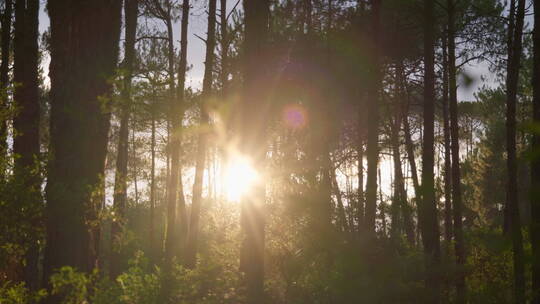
224, 47
397, 200
382, 205
459, 244
359, 212
4, 81
172, 192
84, 50
447, 154
535, 165
26, 126
428, 219
343, 226
152, 229
407, 213
182, 67
135, 170
373, 121
409, 146
120, 179
512, 220
191, 249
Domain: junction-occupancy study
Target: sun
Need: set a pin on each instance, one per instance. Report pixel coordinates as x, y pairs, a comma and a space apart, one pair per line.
240, 177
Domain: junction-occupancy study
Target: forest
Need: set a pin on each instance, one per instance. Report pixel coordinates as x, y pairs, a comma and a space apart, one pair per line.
269, 151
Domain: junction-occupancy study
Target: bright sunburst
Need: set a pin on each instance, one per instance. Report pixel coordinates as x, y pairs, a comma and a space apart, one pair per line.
240, 176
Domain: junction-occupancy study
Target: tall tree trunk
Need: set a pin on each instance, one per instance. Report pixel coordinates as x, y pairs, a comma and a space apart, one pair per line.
182, 67
343, 224
224, 75
428, 218
174, 122
253, 132
402, 114
397, 200
4, 81
120, 178
373, 120
175, 141
400, 194
26, 126
512, 221
84, 51
447, 154
359, 212
152, 232
457, 205
191, 248
409, 146
535, 166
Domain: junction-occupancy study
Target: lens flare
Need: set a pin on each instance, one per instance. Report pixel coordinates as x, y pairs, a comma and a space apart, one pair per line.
240, 177
295, 116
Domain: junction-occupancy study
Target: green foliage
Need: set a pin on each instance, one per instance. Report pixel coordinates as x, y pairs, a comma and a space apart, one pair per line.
17, 293
70, 285
489, 265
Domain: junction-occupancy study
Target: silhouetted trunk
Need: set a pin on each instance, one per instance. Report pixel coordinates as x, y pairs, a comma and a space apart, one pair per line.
409, 146
84, 51
342, 223
4, 81
447, 154
170, 233
359, 214
512, 219
253, 123
397, 199
427, 211
152, 232
535, 165
382, 206
120, 178
26, 127
407, 210
373, 120
174, 125
224, 47
457, 205
182, 67
402, 209
191, 248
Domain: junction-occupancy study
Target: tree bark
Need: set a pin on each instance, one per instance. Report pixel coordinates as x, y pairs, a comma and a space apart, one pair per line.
26, 127
253, 133
448, 231
182, 67
224, 75
535, 165
373, 121
457, 205
4, 81
84, 50
120, 179
172, 193
191, 248
512, 219
359, 212
342, 223
152, 232
428, 218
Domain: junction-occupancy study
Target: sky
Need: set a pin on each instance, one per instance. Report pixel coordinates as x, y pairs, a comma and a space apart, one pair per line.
196, 47
196, 50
